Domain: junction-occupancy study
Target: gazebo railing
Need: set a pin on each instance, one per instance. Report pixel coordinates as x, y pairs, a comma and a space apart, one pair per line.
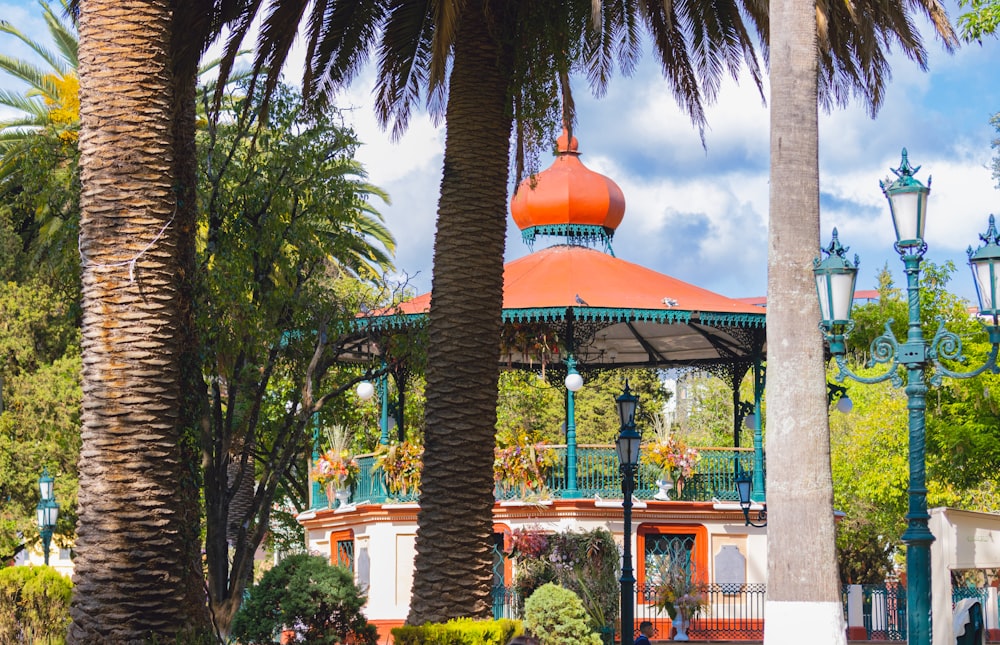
597, 475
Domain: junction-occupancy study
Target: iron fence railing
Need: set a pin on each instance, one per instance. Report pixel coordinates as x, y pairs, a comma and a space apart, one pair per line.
596, 474
884, 612
731, 612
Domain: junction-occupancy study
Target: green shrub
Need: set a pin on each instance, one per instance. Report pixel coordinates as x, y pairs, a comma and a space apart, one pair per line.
462, 631
555, 615
34, 605
305, 591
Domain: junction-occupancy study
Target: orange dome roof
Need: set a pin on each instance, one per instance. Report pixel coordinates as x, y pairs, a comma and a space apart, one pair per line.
568, 197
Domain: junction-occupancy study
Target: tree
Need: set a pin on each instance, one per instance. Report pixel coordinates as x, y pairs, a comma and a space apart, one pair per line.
287, 230
506, 60
320, 600
140, 363
519, 55
39, 408
52, 100
803, 590
982, 19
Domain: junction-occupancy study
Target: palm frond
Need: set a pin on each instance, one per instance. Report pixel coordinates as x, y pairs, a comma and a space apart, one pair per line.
405, 54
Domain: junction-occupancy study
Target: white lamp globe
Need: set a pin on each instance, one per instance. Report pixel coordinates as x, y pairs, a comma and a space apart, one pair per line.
574, 382
365, 391
845, 404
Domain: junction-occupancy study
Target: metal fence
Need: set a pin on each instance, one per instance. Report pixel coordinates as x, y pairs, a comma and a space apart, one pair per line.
597, 473
733, 612
884, 612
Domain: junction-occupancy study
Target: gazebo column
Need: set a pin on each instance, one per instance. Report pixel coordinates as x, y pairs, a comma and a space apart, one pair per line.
383, 395
758, 436
571, 489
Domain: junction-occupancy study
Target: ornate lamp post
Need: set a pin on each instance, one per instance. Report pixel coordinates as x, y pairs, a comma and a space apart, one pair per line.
47, 510
627, 445
835, 277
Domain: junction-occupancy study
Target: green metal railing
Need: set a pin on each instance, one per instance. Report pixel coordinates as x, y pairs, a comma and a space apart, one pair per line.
596, 474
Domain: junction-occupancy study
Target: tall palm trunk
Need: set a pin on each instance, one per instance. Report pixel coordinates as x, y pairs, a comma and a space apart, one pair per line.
134, 578
453, 574
802, 589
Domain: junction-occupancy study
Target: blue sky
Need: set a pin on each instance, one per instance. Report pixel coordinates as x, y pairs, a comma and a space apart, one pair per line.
700, 213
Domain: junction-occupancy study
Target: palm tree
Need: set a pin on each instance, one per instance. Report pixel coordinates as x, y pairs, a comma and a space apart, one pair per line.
803, 588
51, 100
138, 568
135, 570
696, 43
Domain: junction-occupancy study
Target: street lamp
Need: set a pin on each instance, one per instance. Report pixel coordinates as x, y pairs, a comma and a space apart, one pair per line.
627, 445
744, 486
908, 203
47, 510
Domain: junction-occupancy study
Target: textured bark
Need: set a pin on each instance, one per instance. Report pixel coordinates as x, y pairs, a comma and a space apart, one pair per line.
453, 573
134, 578
802, 565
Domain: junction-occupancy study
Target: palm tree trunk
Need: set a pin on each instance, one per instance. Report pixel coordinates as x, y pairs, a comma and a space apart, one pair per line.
453, 574
134, 578
802, 588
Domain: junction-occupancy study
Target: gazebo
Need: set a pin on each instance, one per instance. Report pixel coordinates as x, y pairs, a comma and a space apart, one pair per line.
606, 313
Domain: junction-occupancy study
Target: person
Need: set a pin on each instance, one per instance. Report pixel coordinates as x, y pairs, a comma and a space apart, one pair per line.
524, 639
645, 631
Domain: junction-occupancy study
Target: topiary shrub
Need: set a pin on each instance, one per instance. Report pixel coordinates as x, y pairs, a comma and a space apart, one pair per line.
319, 600
34, 605
555, 615
460, 631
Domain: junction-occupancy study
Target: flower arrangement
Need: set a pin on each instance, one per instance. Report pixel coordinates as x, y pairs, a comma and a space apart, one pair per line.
401, 463
523, 464
673, 457
337, 468
678, 591
528, 542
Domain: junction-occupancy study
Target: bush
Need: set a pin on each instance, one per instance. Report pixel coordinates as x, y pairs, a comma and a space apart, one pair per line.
34, 605
462, 631
555, 615
320, 600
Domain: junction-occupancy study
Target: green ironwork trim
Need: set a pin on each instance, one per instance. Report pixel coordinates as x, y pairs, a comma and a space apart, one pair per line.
595, 314
590, 232
392, 321
735, 319
587, 314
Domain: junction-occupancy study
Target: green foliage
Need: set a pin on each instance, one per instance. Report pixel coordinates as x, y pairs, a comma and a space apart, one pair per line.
306, 591
462, 631
587, 563
34, 605
869, 447
596, 415
40, 394
555, 615
982, 19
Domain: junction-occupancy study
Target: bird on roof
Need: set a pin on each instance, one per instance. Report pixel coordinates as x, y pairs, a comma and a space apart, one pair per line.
581, 301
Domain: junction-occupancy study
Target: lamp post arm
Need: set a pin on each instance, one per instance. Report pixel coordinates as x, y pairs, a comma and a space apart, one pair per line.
947, 345
884, 350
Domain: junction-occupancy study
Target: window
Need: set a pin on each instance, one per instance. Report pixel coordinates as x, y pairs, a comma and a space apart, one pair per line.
342, 549
660, 547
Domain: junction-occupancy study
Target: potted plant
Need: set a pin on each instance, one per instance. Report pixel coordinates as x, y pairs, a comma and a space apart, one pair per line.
401, 463
336, 469
679, 592
523, 465
675, 461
